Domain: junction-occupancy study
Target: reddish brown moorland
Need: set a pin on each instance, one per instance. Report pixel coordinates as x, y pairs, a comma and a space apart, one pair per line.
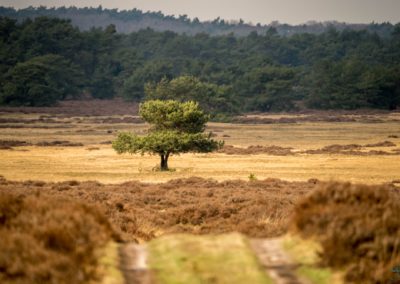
140, 211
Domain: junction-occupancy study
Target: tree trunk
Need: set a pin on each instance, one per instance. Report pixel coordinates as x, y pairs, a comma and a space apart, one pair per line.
164, 162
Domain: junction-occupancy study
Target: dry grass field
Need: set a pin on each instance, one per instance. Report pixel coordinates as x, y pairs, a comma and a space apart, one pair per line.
95, 159
63, 156
104, 165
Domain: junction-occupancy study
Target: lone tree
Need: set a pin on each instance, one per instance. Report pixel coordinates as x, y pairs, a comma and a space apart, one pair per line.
175, 128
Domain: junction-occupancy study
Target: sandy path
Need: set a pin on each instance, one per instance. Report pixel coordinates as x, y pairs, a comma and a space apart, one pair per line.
273, 258
134, 264
276, 262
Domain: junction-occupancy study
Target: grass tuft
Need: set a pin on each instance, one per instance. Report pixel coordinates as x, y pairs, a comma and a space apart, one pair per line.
206, 259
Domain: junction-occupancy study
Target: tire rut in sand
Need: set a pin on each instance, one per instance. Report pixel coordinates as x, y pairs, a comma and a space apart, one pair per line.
275, 261
134, 264
277, 264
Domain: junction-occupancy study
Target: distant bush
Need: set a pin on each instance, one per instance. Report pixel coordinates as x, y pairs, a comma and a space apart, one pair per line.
358, 227
252, 177
49, 240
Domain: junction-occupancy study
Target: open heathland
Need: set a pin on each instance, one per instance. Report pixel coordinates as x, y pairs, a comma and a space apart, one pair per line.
341, 217
359, 147
272, 175
140, 211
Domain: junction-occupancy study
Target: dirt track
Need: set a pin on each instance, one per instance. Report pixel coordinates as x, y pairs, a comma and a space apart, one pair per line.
276, 262
278, 265
134, 264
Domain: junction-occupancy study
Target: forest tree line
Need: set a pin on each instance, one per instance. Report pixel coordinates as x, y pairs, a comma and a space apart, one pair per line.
45, 60
127, 21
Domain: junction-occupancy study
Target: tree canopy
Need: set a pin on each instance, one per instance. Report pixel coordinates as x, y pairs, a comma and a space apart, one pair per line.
41, 81
176, 128
128, 21
264, 71
211, 97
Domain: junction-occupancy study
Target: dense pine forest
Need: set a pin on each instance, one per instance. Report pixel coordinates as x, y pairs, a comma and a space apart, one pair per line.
45, 60
127, 21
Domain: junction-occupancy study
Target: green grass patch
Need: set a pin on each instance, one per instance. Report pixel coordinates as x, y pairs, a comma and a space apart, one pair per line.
109, 265
315, 275
205, 259
305, 253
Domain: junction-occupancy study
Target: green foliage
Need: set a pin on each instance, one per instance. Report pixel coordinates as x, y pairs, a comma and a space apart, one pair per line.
351, 84
211, 97
226, 74
102, 86
153, 71
176, 128
271, 88
173, 115
252, 177
41, 81
164, 142
129, 20
219, 258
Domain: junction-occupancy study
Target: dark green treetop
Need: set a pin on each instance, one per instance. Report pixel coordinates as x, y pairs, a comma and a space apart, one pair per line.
175, 128
41, 81
211, 97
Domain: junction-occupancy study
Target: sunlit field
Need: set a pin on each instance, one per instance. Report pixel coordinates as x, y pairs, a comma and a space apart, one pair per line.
104, 165
199, 147
94, 159
280, 159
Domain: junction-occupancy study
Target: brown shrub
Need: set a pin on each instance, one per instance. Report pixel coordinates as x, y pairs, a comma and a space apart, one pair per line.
17, 126
320, 117
13, 126
42, 119
112, 120
349, 149
49, 240
382, 144
141, 211
58, 143
358, 227
335, 149
254, 150
354, 149
8, 144
92, 107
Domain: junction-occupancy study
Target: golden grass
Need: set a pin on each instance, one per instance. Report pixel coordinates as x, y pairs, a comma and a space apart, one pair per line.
108, 266
301, 136
104, 165
307, 135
